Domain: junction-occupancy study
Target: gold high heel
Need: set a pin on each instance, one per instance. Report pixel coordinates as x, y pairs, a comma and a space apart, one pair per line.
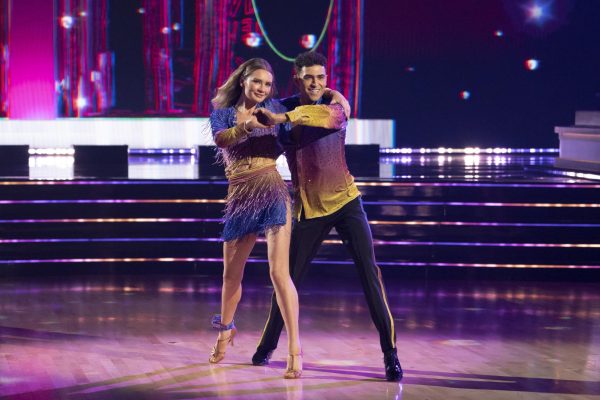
218, 351
292, 371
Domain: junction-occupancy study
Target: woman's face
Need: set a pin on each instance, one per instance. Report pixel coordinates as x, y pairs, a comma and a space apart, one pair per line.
257, 86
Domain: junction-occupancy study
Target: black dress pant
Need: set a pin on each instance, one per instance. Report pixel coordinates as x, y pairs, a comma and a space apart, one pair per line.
353, 228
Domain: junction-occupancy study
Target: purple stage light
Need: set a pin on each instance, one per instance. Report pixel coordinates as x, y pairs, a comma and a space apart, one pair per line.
316, 261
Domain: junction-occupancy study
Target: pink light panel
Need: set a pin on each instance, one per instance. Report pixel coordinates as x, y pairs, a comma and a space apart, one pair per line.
31, 80
3, 57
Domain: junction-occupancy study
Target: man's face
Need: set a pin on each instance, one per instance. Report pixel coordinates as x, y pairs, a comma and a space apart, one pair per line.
311, 81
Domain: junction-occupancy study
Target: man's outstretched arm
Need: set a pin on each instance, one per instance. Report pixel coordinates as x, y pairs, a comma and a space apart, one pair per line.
319, 116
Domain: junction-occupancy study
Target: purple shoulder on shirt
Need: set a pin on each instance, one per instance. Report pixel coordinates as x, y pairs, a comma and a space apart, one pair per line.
222, 118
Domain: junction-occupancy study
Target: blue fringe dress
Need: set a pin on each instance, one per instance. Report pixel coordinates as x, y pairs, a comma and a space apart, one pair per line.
257, 196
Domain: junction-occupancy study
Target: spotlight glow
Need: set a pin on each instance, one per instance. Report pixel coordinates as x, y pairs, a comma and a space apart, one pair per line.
465, 95
538, 13
66, 21
252, 39
308, 41
532, 64
81, 102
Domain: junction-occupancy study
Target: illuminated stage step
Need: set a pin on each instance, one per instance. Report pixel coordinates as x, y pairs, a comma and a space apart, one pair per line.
427, 231
417, 224
216, 189
384, 210
496, 253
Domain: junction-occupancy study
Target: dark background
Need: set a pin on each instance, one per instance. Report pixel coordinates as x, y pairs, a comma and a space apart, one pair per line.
126, 42
452, 47
418, 55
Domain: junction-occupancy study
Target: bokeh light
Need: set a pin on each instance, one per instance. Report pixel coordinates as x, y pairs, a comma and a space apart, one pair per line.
308, 41
66, 21
252, 39
81, 102
532, 64
538, 13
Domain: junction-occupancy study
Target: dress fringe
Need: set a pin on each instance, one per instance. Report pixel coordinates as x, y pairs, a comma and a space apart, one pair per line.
255, 205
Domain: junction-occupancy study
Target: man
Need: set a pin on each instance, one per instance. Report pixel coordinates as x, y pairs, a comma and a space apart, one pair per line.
325, 196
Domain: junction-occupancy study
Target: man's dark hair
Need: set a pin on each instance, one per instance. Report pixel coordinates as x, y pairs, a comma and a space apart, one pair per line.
308, 59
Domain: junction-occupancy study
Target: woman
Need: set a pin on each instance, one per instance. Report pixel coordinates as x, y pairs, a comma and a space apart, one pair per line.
257, 201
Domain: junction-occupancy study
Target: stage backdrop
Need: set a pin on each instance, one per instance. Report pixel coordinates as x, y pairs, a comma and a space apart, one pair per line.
185, 49
480, 73
166, 57
450, 73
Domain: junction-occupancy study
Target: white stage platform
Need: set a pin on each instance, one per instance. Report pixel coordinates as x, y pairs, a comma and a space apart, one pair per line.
151, 133
580, 143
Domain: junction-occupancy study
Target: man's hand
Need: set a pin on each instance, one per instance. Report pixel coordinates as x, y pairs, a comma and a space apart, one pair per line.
338, 98
269, 118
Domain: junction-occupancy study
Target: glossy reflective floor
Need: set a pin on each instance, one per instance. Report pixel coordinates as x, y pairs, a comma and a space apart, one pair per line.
523, 167
148, 337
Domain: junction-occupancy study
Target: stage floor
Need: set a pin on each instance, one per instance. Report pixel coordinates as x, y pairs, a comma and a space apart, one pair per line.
148, 337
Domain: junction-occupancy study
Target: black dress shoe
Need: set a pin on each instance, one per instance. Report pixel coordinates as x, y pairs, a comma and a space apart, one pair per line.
262, 356
393, 370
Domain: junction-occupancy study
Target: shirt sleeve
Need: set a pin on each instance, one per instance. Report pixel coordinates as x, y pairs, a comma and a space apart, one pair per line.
318, 116
223, 134
276, 106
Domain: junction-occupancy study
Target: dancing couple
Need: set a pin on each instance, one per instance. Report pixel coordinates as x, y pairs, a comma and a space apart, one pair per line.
251, 130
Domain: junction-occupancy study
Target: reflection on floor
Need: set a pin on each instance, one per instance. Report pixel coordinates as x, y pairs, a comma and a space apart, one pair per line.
398, 167
148, 337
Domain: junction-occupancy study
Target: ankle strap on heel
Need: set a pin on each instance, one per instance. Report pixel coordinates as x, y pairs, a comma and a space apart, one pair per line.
216, 323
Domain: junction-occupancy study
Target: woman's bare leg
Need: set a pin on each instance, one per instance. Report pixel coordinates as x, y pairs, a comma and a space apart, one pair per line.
235, 254
278, 244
